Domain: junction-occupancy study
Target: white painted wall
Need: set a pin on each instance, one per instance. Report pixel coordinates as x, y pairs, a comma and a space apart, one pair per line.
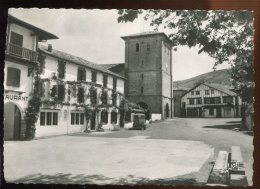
29, 39
63, 128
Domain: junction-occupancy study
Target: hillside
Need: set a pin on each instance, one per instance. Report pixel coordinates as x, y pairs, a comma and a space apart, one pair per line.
219, 76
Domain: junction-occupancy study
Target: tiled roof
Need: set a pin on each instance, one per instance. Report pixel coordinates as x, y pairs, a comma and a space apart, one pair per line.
44, 35
108, 66
144, 34
148, 33
77, 60
221, 88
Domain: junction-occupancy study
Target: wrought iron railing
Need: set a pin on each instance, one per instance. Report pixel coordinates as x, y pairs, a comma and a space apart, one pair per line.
21, 52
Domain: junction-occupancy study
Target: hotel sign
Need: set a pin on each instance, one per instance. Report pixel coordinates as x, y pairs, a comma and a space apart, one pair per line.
16, 97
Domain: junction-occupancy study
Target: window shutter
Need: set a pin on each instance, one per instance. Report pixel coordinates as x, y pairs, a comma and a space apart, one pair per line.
13, 77
80, 95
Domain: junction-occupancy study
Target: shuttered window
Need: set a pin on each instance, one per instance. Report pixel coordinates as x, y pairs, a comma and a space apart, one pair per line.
81, 74
13, 77
61, 69
105, 81
94, 77
16, 39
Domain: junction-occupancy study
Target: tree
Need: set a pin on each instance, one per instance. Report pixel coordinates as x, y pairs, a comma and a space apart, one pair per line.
227, 36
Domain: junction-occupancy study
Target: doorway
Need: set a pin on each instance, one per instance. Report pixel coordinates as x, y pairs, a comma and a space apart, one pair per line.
12, 121
218, 112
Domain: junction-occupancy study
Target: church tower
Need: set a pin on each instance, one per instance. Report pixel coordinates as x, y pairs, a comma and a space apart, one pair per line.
148, 69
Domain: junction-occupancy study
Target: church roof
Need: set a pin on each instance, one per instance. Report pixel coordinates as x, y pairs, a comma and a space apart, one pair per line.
147, 33
109, 66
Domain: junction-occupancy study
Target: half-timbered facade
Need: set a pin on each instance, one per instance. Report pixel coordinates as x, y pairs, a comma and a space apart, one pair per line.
210, 100
21, 58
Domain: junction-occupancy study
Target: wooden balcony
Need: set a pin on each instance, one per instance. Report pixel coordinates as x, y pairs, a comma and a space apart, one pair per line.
21, 52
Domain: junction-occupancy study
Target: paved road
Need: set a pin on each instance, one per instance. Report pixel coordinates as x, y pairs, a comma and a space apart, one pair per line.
172, 150
217, 133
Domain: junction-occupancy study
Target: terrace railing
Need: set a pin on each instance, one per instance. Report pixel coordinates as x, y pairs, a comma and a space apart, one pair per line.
21, 52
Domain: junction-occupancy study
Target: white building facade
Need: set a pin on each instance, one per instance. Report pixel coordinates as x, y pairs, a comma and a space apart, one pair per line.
70, 85
210, 100
20, 60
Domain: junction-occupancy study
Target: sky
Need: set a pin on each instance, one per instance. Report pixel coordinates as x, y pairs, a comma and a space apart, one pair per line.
95, 35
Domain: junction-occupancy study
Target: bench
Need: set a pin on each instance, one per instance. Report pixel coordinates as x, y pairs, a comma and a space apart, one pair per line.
220, 172
236, 164
237, 169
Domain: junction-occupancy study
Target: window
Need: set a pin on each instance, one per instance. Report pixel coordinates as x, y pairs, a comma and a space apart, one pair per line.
114, 83
104, 117
81, 119
197, 92
53, 91
206, 100
61, 92
114, 117
212, 100
192, 92
72, 119
198, 100
16, 39
227, 99
94, 77
191, 101
142, 76
206, 92
13, 77
142, 63
61, 69
105, 81
81, 74
211, 111
137, 47
49, 118
77, 118
148, 47
142, 90
55, 118
80, 95
212, 91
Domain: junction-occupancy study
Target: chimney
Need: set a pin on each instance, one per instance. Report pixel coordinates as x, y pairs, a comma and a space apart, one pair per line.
49, 47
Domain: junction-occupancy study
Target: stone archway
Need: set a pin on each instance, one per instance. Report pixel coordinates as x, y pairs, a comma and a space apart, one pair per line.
12, 121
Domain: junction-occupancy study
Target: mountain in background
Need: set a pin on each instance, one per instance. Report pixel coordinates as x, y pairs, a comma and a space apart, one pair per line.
219, 76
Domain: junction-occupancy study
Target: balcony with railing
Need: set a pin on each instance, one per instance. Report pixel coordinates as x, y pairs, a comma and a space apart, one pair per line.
20, 52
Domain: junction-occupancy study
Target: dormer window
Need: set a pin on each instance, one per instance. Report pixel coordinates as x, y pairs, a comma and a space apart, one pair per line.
137, 47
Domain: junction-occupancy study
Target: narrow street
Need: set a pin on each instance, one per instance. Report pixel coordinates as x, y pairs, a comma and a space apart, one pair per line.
174, 151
